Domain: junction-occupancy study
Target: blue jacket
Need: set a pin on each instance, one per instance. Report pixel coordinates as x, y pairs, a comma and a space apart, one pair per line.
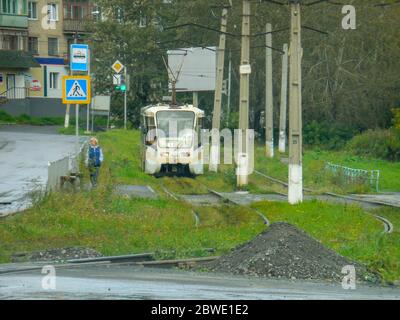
95, 156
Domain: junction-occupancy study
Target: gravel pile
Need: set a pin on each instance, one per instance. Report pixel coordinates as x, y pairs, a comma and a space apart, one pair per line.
56, 255
283, 251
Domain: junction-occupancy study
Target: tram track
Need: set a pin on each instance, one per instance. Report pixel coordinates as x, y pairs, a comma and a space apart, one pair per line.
141, 260
388, 226
217, 194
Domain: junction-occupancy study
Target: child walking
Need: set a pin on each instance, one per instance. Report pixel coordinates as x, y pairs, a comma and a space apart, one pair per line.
94, 160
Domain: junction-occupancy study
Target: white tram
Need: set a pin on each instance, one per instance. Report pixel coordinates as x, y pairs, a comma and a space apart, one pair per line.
171, 139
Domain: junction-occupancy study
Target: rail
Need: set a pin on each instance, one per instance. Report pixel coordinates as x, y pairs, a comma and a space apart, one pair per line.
64, 167
388, 226
15, 93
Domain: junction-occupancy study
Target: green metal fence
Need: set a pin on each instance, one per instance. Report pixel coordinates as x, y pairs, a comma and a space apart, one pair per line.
352, 175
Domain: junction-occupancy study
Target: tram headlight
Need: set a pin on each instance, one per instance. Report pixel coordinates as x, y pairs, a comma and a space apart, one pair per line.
185, 154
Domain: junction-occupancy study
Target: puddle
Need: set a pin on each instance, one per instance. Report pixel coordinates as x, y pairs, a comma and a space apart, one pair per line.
201, 200
132, 191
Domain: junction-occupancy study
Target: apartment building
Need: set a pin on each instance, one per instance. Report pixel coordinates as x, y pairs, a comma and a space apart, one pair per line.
15, 61
47, 43
40, 31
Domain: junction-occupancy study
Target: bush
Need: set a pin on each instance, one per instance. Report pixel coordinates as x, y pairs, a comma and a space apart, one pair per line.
5, 117
23, 119
326, 136
382, 144
28, 120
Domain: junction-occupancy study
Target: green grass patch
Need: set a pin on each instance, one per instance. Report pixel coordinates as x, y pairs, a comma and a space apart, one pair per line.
28, 120
316, 177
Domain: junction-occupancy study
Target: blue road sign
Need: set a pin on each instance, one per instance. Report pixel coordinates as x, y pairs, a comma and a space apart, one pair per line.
76, 90
79, 57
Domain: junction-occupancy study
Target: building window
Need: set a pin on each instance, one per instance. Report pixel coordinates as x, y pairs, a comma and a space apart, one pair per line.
8, 42
10, 6
32, 10
53, 47
77, 12
54, 80
52, 12
33, 45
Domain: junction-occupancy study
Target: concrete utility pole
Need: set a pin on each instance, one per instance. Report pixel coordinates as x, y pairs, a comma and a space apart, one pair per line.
228, 112
245, 71
283, 111
216, 121
269, 96
295, 108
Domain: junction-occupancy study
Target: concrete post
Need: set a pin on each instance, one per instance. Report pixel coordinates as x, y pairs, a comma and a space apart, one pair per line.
295, 109
269, 97
216, 122
283, 108
245, 71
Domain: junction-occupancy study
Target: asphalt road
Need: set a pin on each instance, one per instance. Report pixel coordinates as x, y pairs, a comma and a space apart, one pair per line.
25, 152
124, 281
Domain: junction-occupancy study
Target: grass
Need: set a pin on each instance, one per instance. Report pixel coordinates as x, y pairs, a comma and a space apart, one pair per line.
121, 226
115, 225
315, 176
24, 119
71, 130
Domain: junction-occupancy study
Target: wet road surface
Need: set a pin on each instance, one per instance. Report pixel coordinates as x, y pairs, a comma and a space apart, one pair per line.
24, 155
136, 283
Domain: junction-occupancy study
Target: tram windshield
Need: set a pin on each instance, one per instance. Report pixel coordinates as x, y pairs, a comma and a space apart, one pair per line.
174, 124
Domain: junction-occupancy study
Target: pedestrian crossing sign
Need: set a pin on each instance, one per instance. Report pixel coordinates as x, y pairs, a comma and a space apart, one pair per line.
76, 90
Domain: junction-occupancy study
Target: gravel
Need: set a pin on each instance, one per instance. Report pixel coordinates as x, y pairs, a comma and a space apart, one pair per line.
284, 251
56, 255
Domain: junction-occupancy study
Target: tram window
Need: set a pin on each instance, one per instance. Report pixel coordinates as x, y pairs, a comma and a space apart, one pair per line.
200, 123
150, 123
150, 127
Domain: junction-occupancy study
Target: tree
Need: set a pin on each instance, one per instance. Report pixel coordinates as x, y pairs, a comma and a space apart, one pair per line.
350, 76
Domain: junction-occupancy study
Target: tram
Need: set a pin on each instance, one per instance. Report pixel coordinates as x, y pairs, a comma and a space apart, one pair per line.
171, 141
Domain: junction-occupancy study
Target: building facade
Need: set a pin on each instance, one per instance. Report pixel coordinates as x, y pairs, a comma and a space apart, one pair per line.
42, 32
15, 62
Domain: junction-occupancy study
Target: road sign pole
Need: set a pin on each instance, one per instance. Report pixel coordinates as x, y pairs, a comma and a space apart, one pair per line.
67, 112
76, 90
88, 106
77, 128
125, 101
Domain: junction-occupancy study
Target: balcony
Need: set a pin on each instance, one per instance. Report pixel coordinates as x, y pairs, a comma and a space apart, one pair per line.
75, 26
13, 21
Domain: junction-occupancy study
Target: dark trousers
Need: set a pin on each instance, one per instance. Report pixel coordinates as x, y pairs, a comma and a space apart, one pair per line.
94, 174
